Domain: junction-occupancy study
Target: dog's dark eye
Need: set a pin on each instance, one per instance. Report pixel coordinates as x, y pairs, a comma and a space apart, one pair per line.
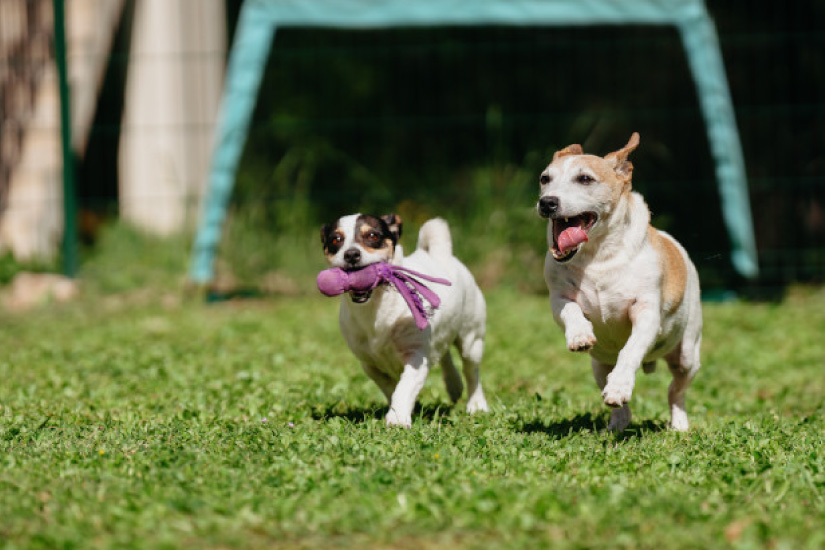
544, 179
334, 243
373, 238
336, 239
584, 179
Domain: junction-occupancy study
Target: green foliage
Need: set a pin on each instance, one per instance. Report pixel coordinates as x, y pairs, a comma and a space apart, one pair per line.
491, 212
125, 258
10, 266
250, 425
459, 122
496, 230
367, 120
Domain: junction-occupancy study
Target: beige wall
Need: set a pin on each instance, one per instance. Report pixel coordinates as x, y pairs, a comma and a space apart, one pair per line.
172, 93
32, 224
173, 89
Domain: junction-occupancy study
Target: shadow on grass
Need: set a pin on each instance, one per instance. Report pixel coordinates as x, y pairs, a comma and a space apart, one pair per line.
358, 414
588, 422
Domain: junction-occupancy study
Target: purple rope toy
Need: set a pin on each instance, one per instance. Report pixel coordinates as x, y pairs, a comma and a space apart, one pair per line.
335, 281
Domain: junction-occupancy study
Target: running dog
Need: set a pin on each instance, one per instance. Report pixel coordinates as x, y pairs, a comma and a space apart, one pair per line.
621, 290
378, 323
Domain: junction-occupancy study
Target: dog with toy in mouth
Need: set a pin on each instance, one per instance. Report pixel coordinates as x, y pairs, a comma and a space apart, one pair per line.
384, 319
620, 289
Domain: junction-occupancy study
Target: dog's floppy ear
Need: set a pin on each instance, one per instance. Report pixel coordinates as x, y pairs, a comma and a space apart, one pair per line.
393, 221
574, 149
618, 159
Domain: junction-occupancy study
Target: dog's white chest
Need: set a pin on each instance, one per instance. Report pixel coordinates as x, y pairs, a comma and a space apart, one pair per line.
607, 308
375, 334
604, 301
604, 295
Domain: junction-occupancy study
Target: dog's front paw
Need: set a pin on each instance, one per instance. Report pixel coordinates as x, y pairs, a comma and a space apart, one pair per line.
581, 342
394, 418
679, 421
618, 391
477, 404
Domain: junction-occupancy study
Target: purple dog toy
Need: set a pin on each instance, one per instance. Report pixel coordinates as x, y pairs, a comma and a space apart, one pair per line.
335, 281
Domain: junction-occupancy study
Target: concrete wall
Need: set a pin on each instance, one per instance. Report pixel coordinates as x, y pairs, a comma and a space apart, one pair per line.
173, 89
174, 83
31, 226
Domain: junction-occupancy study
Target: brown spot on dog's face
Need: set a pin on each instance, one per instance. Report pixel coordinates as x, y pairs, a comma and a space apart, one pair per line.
612, 168
572, 165
376, 236
332, 237
371, 238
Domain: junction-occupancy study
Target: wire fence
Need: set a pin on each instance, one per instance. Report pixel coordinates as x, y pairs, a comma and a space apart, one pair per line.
460, 121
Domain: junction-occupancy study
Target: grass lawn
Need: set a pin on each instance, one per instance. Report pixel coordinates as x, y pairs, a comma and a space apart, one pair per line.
141, 422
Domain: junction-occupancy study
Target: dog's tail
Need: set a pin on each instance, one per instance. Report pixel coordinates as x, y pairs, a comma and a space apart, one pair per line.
435, 238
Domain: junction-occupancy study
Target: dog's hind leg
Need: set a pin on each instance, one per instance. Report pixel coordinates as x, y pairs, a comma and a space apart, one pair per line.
471, 348
619, 417
452, 379
683, 363
384, 382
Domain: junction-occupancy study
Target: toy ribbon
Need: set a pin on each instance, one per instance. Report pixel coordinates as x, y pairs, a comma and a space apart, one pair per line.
335, 281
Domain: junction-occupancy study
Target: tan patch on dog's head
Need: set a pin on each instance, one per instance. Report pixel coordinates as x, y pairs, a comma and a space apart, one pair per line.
613, 168
674, 270
574, 149
376, 235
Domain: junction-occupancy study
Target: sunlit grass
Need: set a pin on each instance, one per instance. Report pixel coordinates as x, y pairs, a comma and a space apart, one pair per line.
139, 421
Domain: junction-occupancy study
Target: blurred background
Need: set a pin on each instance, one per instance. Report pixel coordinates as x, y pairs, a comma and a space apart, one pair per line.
449, 121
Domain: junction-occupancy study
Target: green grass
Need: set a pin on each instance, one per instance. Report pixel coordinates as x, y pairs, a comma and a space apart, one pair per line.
137, 421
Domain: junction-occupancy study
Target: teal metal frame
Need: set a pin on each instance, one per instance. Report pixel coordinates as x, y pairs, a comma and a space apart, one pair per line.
259, 20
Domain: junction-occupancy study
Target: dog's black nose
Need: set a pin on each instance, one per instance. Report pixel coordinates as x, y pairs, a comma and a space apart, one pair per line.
548, 206
352, 256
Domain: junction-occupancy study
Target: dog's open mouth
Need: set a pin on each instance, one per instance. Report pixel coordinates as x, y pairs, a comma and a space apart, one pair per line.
570, 233
360, 296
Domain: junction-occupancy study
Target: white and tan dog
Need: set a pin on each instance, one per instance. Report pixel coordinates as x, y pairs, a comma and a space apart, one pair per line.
379, 327
619, 288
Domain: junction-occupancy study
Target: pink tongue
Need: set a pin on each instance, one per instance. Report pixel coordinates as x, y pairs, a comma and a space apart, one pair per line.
571, 238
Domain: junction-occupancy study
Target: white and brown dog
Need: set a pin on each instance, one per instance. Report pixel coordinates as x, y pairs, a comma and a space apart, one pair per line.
619, 288
379, 327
